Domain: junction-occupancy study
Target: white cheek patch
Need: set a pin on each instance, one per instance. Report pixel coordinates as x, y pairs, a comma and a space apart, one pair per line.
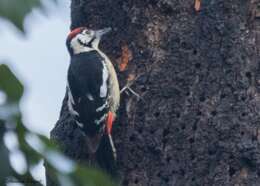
84, 38
77, 47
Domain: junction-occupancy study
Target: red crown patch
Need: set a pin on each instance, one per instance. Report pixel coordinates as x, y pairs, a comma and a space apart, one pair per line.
74, 32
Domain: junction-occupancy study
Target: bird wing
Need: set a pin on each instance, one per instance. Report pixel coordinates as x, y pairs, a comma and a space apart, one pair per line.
88, 85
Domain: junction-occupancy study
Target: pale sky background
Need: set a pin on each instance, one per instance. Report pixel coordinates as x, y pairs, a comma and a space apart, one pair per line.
40, 60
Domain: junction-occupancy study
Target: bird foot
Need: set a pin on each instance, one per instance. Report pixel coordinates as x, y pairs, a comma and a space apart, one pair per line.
128, 88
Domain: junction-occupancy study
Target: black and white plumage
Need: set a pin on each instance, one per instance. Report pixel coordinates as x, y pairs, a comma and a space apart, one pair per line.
93, 90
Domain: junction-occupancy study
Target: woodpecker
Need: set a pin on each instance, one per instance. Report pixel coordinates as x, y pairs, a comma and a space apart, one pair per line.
93, 88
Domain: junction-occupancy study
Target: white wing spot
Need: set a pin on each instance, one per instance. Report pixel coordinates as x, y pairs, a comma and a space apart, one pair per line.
103, 88
71, 110
79, 124
70, 94
70, 102
90, 97
101, 107
101, 119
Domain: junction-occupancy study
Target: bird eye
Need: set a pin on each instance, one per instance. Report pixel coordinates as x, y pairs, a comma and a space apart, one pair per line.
86, 32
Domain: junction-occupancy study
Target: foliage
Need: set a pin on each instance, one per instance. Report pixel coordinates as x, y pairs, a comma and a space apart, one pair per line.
16, 10
72, 174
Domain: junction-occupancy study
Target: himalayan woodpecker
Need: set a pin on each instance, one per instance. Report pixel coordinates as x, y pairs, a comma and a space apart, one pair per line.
93, 88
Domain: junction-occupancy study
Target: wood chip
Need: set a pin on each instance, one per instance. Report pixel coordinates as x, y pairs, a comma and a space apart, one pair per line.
197, 5
125, 58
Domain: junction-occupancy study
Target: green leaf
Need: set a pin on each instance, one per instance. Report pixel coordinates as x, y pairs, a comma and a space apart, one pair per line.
10, 85
77, 175
91, 177
6, 168
16, 10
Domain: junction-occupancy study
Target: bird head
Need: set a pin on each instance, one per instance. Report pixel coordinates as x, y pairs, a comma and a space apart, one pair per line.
83, 39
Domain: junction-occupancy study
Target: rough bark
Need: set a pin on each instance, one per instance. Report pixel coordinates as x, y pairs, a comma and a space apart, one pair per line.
198, 73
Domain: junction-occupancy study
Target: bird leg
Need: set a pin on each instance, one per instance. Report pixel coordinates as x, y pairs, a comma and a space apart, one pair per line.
130, 81
127, 87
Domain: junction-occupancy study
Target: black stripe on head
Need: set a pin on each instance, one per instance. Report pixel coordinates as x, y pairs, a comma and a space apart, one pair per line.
89, 44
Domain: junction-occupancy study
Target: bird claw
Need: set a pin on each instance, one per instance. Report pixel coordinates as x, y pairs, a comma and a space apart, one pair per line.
128, 89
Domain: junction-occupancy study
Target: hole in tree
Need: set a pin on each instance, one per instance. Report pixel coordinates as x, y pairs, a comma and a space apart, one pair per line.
197, 65
153, 2
156, 114
143, 89
258, 173
222, 96
184, 45
168, 159
166, 9
132, 138
254, 138
194, 127
202, 98
243, 98
164, 141
214, 113
191, 140
166, 132
192, 156
243, 114
248, 75
195, 52
212, 151
232, 171
166, 179
242, 133
182, 172
231, 157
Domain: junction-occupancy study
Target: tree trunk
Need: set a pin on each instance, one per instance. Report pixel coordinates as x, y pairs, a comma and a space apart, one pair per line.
198, 74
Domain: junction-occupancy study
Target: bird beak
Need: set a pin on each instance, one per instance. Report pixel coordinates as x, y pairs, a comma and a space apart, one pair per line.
100, 33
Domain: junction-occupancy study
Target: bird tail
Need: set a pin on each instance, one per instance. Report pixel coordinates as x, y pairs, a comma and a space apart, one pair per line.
112, 146
109, 125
